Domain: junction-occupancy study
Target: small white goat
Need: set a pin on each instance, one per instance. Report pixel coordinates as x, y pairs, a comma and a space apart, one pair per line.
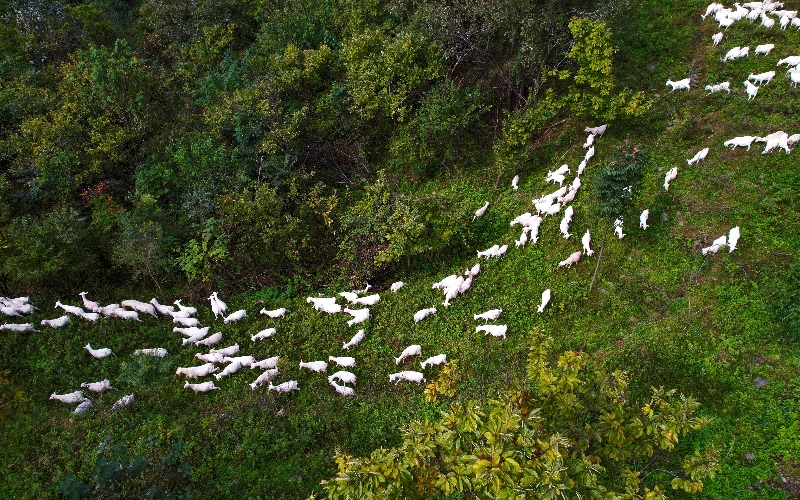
202, 387
291, 385
589, 141
156, 352
479, 212
439, 359
344, 377
396, 286
235, 316
556, 178
643, 219
122, 402
275, 313
716, 38
794, 76
91, 316
212, 357
211, 340
585, 241
57, 322
343, 389
767, 21
496, 331
741, 141
83, 407
515, 183
229, 370
789, 61
187, 322
410, 376
564, 226
265, 364
71, 398
618, 228
359, 315
679, 85
98, 353
764, 49
545, 300
490, 315
423, 313
345, 361
196, 371
19, 328
162, 309
701, 155
726, 86
589, 154
187, 309
599, 130
762, 78
411, 350
77, 311
267, 376
357, 338
733, 238
369, 300
572, 259
190, 330
263, 334
314, 366
142, 307
90, 305
227, 351
101, 387
716, 245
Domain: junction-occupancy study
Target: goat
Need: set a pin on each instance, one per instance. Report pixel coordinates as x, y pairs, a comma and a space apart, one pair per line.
764, 49
101, 387
142, 307
242, 360
585, 241
212, 357
70, 398
556, 178
581, 167
679, 85
291, 385
19, 328
599, 130
98, 353
156, 352
479, 212
701, 155
267, 376
56, 323
357, 338
742, 141
643, 219
265, 364
439, 359
345, 361
589, 154
263, 334
187, 309
314, 366
124, 314
733, 238
343, 389
229, 370
564, 226
789, 61
618, 228
409, 376
344, 377
196, 371
83, 407
411, 350
396, 286
236, 316
187, 322
369, 300
545, 300
227, 351
89, 304
490, 315
794, 76
197, 337
767, 21
122, 402
726, 86
162, 309
77, 311
423, 313
493, 330
715, 245
572, 259
515, 183
211, 340
191, 330
359, 315
716, 38
202, 387
762, 78
589, 141
90, 316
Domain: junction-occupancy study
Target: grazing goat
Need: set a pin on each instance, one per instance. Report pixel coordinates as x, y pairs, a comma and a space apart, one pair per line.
572, 259
493, 330
98, 353
142, 307
122, 402
741, 141
581, 167
411, 350
357, 338
715, 245
359, 315
764, 49
83, 407
229, 370
236, 316
599, 130
716, 38
90, 305
585, 241
71, 398
124, 314
618, 228
396, 286
726, 86
733, 238
263, 334
767, 21
762, 78
191, 330
789, 61
314, 366
265, 364
267, 376
227, 351
77, 311
101, 387
515, 183
369, 300
556, 178
409, 376
156, 352
291, 385
343, 389
479, 212
701, 155
589, 141
203, 387
679, 85
344, 377
197, 371
439, 359
564, 226
19, 328
162, 309
545, 300
211, 340
90, 316
345, 361
187, 322
56, 323
187, 309
423, 313
213, 357
490, 315
776, 139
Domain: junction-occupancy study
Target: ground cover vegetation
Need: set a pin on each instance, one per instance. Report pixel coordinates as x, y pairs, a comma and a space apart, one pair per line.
273, 150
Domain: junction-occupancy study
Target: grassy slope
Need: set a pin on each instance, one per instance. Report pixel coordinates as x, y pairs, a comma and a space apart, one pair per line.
659, 310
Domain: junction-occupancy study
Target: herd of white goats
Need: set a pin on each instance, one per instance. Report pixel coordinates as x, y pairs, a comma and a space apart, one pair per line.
452, 286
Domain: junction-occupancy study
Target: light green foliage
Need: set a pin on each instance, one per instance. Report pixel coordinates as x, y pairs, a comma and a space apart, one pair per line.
444, 384
200, 259
557, 440
593, 91
617, 181
513, 149
384, 72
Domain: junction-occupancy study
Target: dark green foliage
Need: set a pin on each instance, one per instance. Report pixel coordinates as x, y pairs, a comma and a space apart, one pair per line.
617, 181
787, 301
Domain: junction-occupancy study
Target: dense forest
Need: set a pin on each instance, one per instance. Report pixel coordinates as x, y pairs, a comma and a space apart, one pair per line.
273, 150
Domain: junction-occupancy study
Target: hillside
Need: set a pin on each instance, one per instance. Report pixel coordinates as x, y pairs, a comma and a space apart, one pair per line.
235, 151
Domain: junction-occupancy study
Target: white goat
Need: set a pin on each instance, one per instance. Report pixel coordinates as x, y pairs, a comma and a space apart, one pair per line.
83, 407
345, 361
618, 228
556, 178
716, 38
733, 238
369, 300
396, 286
764, 49
789, 61
162, 309
359, 315
90, 305
196, 371
90, 316
215, 306
212, 357
599, 130
643, 219
564, 226
229, 370
142, 307
701, 155
187, 322
227, 351
515, 183
493, 330
98, 353
423, 313
357, 338
411, 350
726, 86
211, 340
70, 398
741, 141
265, 364
762, 78
57, 322
585, 241
794, 76
589, 154
581, 166
679, 85
101, 387
156, 352
235, 316
545, 300
767, 21
291, 385
589, 141
479, 212
439, 359
410, 376
263, 334
202, 387
267, 376
19, 328
314, 366
122, 402
572, 259
344, 377
716, 245
343, 389
187, 309
490, 315
70, 309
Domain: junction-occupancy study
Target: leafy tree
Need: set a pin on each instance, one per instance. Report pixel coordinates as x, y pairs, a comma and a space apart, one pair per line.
617, 180
574, 433
592, 93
